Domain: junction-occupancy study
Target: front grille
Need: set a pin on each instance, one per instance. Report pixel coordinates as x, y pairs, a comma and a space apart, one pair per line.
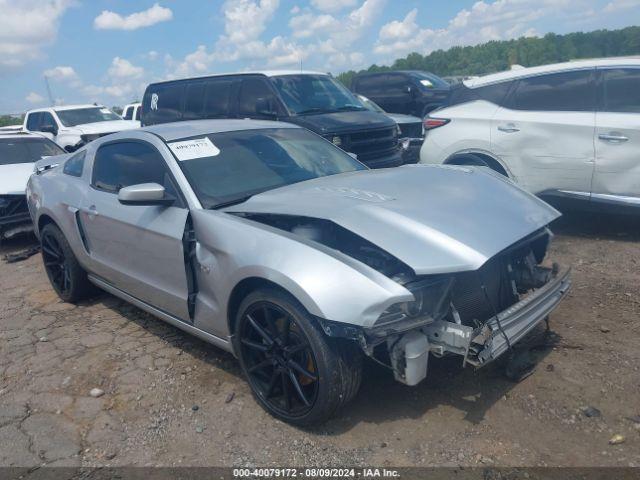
371, 144
12, 206
411, 130
469, 298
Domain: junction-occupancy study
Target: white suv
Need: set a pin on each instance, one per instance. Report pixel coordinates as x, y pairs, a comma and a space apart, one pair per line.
570, 130
72, 126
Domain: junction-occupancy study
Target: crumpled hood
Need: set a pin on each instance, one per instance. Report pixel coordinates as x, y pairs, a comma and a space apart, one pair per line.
435, 218
13, 178
107, 127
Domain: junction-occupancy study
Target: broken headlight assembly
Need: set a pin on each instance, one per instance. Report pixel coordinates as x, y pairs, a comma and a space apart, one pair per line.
430, 302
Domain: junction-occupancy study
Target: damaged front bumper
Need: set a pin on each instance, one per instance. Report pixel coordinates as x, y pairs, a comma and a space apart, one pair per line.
409, 342
515, 322
14, 216
482, 345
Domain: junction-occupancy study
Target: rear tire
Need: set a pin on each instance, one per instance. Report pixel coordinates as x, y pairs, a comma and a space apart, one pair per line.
67, 277
300, 385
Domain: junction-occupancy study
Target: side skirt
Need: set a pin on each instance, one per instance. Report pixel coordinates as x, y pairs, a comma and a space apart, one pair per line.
176, 322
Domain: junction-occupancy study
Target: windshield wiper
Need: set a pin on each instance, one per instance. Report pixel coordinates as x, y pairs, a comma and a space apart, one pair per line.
312, 110
351, 107
228, 203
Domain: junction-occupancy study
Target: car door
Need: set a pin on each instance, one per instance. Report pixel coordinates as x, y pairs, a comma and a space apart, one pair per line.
138, 249
544, 132
617, 137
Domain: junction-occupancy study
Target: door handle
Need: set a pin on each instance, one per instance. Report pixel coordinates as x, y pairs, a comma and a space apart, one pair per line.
91, 211
508, 128
613, 137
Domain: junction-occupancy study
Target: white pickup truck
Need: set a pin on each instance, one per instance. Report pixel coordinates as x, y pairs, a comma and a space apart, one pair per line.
72, 126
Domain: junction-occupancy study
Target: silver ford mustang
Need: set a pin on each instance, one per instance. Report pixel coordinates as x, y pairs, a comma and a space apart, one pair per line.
268, 241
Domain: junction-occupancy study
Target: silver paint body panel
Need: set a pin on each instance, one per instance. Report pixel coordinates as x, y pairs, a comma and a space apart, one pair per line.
436, 219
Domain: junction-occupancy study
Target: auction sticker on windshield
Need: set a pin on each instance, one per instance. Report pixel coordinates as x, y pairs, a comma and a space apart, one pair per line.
195, 148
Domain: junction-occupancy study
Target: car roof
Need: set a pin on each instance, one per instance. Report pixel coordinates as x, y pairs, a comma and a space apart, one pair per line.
554, 67
59, 108
20, 134
176, 130
267, 73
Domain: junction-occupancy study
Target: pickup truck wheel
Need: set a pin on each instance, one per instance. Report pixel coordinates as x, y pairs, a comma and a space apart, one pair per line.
295, 372
67, 277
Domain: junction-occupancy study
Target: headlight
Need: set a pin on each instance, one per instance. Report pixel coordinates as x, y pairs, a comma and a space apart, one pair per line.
430, 300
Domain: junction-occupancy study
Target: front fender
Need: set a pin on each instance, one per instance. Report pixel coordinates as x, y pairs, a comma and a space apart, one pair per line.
329, 284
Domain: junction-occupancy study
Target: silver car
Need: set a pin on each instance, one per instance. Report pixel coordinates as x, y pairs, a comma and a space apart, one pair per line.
268, 241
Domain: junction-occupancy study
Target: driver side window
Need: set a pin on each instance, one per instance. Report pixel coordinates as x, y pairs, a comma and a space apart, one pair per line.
122, 164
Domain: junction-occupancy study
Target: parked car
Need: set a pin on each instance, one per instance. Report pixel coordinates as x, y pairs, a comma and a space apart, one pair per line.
72, 126
312, 100
563, 131
410, 92
268, 241
18, 153
132, 112
411, 130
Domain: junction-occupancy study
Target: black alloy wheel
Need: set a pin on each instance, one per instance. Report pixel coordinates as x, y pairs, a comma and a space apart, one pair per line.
67, 277
296, 373
279, 361
55, 263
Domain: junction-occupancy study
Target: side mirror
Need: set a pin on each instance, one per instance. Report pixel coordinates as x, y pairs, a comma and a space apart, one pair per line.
52, 129
264, 106
145, 194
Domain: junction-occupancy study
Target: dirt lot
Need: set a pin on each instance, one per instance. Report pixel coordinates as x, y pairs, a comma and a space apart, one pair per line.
170, 399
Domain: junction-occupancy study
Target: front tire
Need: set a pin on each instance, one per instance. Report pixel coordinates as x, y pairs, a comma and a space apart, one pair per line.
67, 277
295, 372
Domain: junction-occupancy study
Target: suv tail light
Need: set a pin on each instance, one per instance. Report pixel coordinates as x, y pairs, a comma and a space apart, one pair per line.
430, 123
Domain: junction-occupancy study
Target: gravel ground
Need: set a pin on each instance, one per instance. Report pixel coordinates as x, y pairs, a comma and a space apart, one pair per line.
103, 383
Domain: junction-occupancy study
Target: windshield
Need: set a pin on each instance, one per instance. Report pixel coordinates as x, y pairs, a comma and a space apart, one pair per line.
308, 94
79, 116
248, 162
429, 80
369, 105
26, 150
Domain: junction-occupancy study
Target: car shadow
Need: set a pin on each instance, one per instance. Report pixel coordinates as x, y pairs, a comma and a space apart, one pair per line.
469, 390
380, 399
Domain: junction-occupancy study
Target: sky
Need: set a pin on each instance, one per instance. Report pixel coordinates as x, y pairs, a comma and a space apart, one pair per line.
107, 51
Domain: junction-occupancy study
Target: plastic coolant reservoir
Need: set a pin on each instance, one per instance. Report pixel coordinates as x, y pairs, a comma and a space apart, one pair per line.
416, 355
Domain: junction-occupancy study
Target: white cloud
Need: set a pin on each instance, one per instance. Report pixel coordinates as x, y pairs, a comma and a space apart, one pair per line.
27, 27
618, 5
483, 22
108, 20
309, 25
61, 72
333, 5
400, 29
34, 98
121, 68
245, 20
